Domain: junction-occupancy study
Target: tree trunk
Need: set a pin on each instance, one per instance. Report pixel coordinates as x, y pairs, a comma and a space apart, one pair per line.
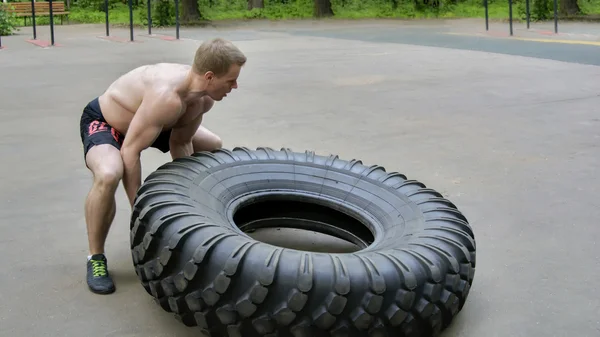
569, 7
189, 11
256, 4
323, 8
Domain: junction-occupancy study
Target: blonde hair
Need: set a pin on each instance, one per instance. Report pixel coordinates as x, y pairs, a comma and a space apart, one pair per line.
217, 55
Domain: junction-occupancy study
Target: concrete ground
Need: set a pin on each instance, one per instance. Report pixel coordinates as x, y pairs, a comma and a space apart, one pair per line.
510, 135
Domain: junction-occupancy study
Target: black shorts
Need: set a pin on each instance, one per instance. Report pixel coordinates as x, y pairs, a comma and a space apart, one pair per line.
95, 130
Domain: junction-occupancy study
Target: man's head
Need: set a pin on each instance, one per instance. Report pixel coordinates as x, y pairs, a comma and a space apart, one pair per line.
218, 62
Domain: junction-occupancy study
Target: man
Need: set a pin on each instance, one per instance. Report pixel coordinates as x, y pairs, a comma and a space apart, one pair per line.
159, 106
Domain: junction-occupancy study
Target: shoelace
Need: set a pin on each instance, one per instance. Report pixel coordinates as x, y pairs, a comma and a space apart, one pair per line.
99, 268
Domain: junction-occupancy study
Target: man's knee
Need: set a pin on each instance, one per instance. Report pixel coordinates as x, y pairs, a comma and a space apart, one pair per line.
106, 165
107, 177
217, 143
207, 142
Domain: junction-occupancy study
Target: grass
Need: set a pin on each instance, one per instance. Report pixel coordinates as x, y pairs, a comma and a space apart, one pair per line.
302, 9
120, 14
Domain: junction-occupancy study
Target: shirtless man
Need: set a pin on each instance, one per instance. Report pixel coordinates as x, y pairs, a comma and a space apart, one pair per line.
158, 106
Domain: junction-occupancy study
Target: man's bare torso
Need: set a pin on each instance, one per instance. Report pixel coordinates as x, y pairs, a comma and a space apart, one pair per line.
123, 97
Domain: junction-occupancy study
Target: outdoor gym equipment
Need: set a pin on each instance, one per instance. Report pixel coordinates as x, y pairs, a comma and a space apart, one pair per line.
51, 14
527, 14
176, 18
149, 5
411, 273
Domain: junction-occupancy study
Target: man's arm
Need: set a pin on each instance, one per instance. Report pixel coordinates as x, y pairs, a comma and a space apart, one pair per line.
155, 111
181, 137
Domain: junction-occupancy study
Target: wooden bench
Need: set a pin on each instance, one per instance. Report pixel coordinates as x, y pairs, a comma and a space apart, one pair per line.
42, 8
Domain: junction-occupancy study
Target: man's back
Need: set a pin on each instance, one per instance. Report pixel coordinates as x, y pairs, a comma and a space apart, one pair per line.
122, 98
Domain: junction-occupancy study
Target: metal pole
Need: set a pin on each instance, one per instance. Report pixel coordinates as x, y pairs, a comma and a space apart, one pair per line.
177, 19
149, 17
487, 24
0, 41
528, 12
33, 19
510, 16
130, 20
555, 16
106, 15
51, 24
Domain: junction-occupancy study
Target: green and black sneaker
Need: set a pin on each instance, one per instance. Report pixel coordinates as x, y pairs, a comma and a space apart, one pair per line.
98, 278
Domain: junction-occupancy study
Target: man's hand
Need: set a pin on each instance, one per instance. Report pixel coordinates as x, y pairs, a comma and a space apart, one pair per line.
155, 111
179, 150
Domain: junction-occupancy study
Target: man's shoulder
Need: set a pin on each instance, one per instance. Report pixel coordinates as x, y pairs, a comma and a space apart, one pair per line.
163, 65
157, 68
169, 67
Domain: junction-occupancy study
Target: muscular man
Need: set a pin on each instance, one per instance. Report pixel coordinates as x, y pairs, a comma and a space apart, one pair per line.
159, 106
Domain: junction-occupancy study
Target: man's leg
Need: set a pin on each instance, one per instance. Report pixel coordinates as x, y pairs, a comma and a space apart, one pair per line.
106, 165
206, 140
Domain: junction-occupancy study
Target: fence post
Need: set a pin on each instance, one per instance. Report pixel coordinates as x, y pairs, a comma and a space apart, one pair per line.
487, 25
51, 23
555, 17
149, 17
510, 16
33, 19
528, 12
106, 15
177, 19
130, 20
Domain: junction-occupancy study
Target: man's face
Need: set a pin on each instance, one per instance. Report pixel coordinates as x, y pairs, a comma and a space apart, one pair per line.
219, 86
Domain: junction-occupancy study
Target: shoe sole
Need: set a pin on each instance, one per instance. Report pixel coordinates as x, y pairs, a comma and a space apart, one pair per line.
102, 292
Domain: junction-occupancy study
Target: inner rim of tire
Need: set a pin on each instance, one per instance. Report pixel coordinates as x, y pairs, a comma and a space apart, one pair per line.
288, 210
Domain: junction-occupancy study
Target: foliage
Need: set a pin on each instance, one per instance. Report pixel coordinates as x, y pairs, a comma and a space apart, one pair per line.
8, 22
589, 6
541, 10
92, 11
97, 5
163, 11
273, 9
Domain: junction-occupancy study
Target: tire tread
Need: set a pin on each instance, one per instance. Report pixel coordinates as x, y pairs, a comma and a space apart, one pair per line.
412, 290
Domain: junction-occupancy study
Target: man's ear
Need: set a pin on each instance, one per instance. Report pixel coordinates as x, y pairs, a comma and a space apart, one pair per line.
209, 75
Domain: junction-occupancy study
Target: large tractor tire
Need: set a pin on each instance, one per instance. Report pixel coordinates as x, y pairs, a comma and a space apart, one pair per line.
191, 251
